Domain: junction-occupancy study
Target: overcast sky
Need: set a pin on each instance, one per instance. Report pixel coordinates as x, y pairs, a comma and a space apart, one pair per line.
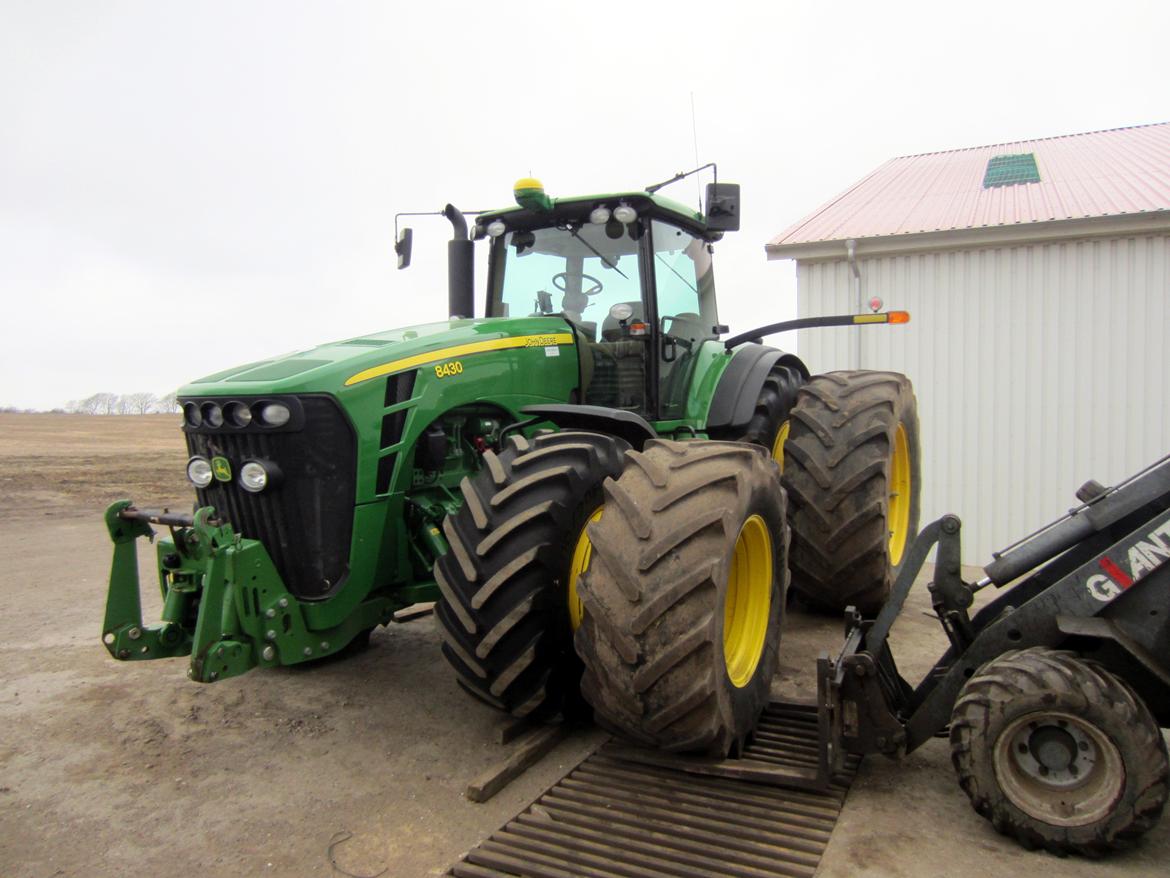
188, 186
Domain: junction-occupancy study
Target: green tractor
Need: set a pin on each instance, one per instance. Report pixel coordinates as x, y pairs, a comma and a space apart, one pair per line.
586, 480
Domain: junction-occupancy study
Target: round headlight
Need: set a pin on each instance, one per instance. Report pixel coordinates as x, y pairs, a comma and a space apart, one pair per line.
623, 213
237, 414
599, 216
199, 471
496, 228
191, 414
274, 414
253, 476
212, 415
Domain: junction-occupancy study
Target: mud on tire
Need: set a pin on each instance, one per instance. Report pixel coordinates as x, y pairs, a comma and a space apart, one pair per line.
502, 612
1011, 704
655, 595
840, 474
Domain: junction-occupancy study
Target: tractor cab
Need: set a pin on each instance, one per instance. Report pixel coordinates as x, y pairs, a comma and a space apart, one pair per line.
631, 273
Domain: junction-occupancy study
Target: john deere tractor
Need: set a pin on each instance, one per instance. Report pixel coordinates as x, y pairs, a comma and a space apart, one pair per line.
586, 479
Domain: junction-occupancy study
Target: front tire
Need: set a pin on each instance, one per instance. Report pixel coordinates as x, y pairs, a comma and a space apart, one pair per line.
1058, 753
503, 611
685, 594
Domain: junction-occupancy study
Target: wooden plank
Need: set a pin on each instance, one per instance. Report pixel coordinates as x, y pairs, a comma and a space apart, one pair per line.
527, 753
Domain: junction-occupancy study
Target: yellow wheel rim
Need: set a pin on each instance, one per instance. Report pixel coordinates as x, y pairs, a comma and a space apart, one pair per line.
778, 445
582, 553
748, 602
900, 488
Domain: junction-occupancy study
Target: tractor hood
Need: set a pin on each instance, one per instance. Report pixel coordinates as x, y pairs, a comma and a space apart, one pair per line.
336, 366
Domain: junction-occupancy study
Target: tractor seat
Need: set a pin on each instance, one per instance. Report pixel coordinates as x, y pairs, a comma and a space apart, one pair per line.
620, 366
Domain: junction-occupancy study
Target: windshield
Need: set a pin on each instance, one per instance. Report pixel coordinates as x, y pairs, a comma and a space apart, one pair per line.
579, 273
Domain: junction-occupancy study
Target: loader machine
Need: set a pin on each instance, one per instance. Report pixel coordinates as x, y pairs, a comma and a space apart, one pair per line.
1054, 693
586, 479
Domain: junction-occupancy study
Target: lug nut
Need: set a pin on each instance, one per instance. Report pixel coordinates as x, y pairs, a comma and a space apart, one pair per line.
324, 644
269, 653
270, 634
134, 633
308, 650
283, 602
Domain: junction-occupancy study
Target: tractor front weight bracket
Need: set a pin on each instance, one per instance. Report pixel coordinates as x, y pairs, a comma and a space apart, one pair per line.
223, 601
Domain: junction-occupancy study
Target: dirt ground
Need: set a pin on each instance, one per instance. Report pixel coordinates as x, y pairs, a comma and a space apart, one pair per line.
110, 769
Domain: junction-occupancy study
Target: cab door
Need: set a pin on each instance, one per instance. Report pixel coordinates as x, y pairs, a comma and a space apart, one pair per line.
685, 314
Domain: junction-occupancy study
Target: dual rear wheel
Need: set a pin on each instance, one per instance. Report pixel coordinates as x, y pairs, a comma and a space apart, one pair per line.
653, 583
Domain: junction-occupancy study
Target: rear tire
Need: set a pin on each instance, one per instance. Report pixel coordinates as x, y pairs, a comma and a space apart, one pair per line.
502, 612
851, 458
685, 594
1027, 714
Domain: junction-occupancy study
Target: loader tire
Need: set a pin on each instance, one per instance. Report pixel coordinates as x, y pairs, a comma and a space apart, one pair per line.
684, 595
770, 424
1058, 753
852, 476
502, 612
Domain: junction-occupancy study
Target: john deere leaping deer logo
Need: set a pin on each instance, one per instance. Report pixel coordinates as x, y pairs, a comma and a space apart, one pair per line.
221, 468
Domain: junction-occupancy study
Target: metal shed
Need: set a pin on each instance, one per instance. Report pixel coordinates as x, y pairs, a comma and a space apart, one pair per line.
1038, 277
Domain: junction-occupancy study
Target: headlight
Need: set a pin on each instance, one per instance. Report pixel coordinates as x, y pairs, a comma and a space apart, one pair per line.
254, 477
212, 414
199, 471
191, 414
274, 414
237, 414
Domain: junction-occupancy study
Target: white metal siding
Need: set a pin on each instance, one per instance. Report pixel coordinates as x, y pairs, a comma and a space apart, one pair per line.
1037, 367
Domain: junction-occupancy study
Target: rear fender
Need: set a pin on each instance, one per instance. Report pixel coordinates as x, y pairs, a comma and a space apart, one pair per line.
734, 400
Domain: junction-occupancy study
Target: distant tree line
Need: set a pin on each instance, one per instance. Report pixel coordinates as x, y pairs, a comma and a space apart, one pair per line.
113, 404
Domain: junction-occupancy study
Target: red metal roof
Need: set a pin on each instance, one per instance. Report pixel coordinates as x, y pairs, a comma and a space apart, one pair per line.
1102, 173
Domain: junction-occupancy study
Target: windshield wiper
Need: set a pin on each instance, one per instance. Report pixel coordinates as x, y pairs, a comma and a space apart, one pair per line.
658, 256
595, 252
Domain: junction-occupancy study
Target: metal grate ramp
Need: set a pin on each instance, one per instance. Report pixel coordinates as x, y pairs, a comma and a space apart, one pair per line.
611, 817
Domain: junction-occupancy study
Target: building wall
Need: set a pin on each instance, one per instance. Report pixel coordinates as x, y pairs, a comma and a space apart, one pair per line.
1036, 367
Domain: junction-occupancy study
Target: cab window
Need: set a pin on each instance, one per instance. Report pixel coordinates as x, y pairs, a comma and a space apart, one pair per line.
684, 282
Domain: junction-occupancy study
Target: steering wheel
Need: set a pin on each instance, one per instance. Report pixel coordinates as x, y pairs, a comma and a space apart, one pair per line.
561, 282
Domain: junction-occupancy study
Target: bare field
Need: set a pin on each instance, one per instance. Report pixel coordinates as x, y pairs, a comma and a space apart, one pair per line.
60, 465
109, 769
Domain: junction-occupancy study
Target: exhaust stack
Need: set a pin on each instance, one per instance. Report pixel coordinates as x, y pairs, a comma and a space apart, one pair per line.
460, 266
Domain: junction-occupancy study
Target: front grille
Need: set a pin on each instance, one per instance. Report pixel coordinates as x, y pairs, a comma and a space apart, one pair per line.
306, 521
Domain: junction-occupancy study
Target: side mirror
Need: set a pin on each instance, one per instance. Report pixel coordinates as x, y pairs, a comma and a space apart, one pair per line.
723, 207
544, 301
402, 247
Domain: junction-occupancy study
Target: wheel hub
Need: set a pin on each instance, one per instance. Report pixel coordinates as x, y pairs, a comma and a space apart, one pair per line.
778, 444
900, 493
1059, 768
748, 602
582, 555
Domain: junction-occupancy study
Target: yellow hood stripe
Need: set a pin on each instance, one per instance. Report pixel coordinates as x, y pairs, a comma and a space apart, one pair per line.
475, 347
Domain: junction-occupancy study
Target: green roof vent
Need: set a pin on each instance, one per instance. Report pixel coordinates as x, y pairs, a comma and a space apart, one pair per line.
1008, 170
